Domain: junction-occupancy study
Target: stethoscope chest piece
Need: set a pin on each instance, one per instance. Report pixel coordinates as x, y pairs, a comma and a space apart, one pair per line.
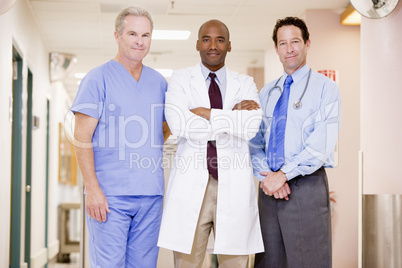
297, 105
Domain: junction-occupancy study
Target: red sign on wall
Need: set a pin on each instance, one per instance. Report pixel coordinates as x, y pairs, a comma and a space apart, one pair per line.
331, 74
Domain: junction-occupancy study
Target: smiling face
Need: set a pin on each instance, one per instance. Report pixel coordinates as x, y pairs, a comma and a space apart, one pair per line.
291, 48
213, 44
135, 39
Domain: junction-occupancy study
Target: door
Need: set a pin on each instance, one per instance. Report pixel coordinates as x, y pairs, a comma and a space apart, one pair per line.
16, 163
28, 179
47, 175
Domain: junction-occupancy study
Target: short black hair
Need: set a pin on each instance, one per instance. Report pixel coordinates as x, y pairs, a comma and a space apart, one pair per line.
291, 21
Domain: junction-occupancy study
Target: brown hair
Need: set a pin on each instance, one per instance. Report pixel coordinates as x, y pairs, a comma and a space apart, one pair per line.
291, 21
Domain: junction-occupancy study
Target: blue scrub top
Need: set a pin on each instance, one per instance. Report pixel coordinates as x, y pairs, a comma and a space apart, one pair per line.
128, 140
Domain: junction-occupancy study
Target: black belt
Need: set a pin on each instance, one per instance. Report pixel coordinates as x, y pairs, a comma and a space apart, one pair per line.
321, 169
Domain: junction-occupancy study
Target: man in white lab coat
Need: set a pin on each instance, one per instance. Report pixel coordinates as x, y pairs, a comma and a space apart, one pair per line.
211, 185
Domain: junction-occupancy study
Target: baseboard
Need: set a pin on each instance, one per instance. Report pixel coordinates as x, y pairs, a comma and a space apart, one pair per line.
54, 249
39, 259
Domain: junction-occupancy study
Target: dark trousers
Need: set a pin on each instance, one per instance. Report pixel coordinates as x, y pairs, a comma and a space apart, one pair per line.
297, 232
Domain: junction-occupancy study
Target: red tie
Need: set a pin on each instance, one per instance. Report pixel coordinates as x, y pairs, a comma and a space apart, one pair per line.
215, 98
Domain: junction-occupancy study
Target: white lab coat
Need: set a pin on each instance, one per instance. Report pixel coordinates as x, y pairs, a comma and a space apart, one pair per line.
238, 229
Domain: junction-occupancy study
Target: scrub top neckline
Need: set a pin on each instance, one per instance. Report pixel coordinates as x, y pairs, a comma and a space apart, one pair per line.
137, 84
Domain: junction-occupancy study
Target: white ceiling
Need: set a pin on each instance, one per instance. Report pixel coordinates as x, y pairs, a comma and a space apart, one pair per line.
85, 28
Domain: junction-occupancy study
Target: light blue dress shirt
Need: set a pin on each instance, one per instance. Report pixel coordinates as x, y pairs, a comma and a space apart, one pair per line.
311, 131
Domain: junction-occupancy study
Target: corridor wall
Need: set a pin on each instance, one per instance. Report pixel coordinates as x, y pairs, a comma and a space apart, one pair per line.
19, 29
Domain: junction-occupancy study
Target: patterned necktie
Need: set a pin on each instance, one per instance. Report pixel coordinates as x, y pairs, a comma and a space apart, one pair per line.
276, 145
215, 98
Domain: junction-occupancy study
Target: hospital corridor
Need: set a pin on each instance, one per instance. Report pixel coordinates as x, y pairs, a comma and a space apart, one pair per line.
48, 47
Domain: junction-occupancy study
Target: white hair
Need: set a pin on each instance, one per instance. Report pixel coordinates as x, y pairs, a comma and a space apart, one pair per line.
134, 11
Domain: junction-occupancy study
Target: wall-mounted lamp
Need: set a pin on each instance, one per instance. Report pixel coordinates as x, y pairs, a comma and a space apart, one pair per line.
60, 65
5, 5
374, 9
350, 16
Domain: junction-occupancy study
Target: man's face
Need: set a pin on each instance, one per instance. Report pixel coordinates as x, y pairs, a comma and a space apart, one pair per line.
135, 40
291, 48
213, 44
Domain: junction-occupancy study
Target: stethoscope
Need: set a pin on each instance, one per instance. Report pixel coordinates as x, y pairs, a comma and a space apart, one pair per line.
297, 104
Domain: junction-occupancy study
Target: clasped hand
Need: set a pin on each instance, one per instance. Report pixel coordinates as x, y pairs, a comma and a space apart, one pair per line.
275, 184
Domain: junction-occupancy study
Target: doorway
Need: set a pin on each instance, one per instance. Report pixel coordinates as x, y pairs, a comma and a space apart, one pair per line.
47, 175
16, 162
28, 179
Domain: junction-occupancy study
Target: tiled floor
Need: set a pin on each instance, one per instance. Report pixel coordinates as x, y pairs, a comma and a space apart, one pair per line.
165, 261
74, 262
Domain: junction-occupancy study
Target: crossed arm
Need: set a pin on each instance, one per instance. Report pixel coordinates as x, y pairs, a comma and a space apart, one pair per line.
274, 183
247, 105
201, 124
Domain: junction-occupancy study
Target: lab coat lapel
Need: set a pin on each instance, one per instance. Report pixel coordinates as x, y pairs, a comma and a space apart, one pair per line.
232, 88
198, 84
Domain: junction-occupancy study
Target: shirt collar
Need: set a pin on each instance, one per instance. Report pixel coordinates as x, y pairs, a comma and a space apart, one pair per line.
298, 75
220, 74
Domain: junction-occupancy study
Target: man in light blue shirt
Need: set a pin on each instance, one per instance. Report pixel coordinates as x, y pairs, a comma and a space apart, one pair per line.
119, 133
290, 152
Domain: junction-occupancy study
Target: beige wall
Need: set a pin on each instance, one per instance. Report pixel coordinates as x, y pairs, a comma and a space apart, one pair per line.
381, 92
273, 67
258, 74
337, 47
5, 137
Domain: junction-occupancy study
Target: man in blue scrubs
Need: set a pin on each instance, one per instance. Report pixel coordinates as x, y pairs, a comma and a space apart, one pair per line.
119, 133
295, 143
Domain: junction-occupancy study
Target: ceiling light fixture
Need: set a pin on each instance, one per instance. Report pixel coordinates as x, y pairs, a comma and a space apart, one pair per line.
350, 16
170, 35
